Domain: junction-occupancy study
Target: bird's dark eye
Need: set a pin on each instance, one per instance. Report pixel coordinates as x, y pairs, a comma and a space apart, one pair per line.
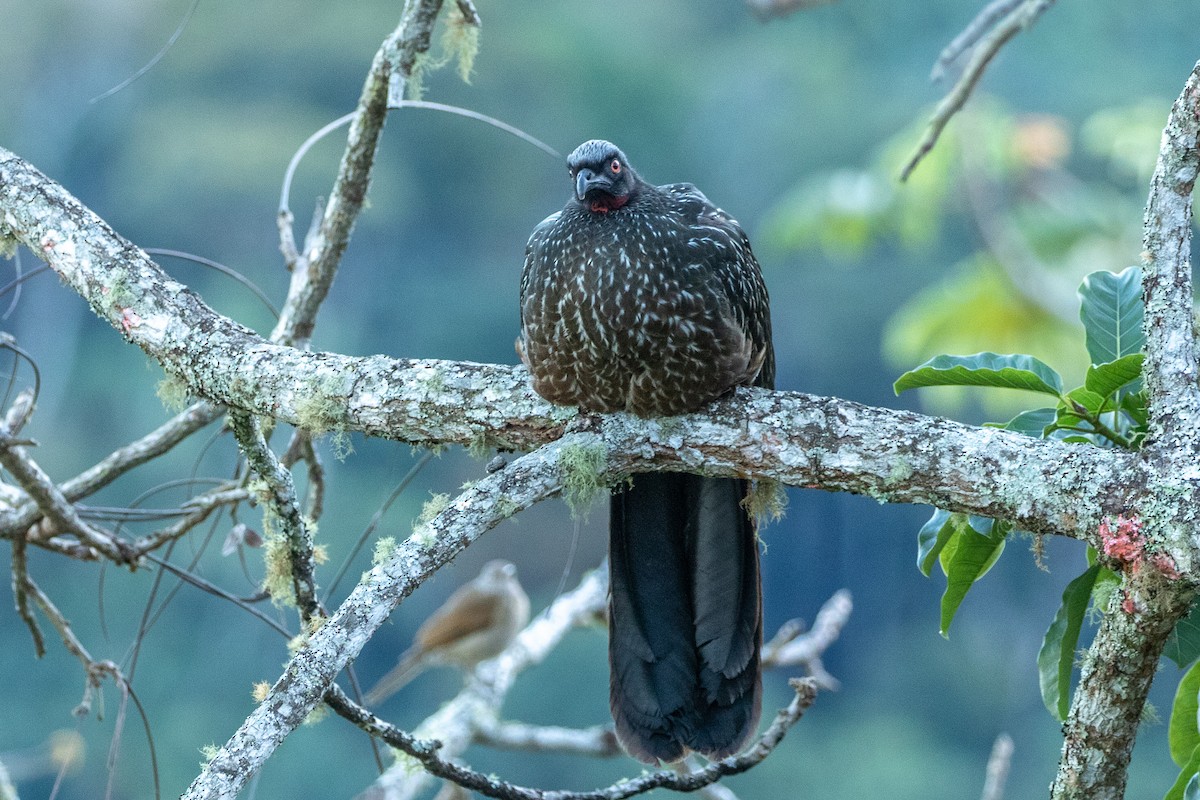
615, 166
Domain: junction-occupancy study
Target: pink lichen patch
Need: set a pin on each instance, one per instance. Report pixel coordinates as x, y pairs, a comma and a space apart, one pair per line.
129, 319
1128, 605
1123, 541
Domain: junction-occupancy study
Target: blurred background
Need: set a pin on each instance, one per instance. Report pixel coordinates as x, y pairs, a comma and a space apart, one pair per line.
796, 126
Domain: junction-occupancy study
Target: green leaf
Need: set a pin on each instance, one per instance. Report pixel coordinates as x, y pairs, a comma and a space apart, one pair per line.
1106, 379
966, 557
1031, 423
1057, 655
1183, 733
932, 538
1186, 781
1090, 401
1183, 645
1111, 310
983, 369
1192, 790
1135, 406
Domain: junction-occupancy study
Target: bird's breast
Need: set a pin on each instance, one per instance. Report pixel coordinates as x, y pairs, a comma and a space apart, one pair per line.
625, 318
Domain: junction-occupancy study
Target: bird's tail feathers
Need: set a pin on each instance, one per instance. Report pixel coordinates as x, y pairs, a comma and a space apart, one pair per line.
411, 664
685, 617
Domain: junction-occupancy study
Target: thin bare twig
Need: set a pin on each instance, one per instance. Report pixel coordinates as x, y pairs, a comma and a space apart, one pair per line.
373, 523
791, 648
997, 768
766, 9
984, 21
216, 591
20, 581
149, 65
598, 741
290, 173
70, 640
149, 447
230, 272
198, 509
1015, 21
713, 791
315, 268
426, 753
61, 515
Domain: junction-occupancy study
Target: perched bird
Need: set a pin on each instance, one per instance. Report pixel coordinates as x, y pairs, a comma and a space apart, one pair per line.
648, 299
477, 621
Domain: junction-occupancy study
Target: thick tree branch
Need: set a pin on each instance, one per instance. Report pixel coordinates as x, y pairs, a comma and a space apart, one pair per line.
1121, 663
1170, 368
1113, 685
795, 438
1043, 486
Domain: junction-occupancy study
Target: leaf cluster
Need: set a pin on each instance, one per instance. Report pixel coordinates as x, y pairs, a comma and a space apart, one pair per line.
1108, 410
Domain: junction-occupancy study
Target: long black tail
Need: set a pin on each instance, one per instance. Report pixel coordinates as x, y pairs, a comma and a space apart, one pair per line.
685, 617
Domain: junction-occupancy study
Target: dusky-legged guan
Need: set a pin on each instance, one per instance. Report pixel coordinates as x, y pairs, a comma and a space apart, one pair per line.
648, 299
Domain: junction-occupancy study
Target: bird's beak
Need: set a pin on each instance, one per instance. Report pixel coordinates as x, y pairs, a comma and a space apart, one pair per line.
586, 180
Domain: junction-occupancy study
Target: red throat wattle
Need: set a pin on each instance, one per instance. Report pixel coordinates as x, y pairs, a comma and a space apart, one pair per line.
608, 202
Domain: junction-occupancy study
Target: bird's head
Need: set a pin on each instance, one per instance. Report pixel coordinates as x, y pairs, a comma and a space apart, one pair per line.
603, 179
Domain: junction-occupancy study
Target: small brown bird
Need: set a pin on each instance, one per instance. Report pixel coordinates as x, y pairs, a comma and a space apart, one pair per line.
476, 623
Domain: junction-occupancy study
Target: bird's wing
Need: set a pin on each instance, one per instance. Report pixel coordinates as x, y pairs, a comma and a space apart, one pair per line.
535, 241
528, 277
719, 241
467, 611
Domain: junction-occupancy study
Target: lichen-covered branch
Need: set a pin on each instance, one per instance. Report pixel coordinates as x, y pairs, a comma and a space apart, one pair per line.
456, 724
1170, 367
311, 671
1114, 682
314, 269
282, 508
795, 438
425, 753
1121, 663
